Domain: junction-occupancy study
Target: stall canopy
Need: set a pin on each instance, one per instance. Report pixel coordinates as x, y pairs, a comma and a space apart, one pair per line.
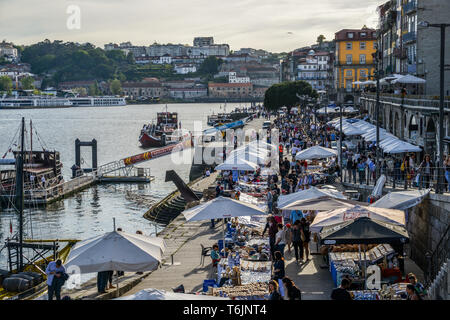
156, 294
220, 208
237, 163
322, 204
401, 200
400, 147
364, 230
391, 78
409, 79
315, 152
326, 110
253, 157
307, 194
117, 251
328, 218
349, 129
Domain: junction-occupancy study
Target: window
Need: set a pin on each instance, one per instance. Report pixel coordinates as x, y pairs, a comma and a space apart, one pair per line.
349, 59
362, 59
363, 34
362, 45
350, 35
348, 73
362, 73
348, 46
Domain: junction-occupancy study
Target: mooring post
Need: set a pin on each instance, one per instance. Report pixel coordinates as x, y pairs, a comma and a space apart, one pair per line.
94, 154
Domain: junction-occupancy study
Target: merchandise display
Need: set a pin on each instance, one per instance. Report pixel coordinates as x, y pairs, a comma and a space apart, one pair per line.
253, 291
365, 295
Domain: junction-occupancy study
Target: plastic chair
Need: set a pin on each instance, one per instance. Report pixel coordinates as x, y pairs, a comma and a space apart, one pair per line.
205, 253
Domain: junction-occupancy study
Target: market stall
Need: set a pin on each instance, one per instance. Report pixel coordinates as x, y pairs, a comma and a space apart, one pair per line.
358, 243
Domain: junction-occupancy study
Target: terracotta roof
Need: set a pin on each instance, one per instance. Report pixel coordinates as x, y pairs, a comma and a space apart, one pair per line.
343, 35
141, 85
229, 85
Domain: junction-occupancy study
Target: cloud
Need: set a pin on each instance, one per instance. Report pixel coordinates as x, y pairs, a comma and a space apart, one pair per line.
240, 23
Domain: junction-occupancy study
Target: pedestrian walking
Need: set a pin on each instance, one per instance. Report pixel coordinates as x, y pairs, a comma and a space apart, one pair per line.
56, 276
292, 292
278, 266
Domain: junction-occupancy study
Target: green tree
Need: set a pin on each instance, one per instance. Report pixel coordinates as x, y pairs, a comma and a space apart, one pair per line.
5, 83
115, 86
81, 91
320, 39
27, 83
285, 94
94, 90
210, 66
130, 58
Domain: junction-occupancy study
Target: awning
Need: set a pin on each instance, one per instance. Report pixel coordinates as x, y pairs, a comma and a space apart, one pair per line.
315, 152
401, 200
364, 231
328, 218
307, 194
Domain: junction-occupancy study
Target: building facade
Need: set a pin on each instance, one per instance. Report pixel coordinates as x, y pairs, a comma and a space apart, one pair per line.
316, 69
354, 60
230, 90
188, 93
144, 89
408, 48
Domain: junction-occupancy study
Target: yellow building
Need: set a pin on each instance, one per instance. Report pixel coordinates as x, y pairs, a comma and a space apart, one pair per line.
354, 60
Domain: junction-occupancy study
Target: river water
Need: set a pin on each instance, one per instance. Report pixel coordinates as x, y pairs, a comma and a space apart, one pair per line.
116, 130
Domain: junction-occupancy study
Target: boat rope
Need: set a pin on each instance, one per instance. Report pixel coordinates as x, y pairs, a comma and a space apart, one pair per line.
9, 149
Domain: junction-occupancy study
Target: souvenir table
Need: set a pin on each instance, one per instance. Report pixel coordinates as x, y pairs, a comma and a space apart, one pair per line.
252, 291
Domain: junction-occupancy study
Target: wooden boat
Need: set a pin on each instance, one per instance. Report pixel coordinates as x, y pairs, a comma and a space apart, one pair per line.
38, 266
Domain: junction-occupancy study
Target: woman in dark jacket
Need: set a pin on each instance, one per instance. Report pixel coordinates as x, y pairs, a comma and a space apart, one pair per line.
271, 225
306, 236
278, 266
297, 242
291, 290
274, 291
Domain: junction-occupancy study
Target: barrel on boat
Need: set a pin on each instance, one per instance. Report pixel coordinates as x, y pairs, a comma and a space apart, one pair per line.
14, 284
3, 275
37, 277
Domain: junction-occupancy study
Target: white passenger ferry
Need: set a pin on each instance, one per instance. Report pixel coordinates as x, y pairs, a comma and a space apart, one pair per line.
44, 102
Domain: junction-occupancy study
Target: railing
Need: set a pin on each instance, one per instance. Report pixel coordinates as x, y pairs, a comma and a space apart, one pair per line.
409, 37
37, 192
410, 6
409, 100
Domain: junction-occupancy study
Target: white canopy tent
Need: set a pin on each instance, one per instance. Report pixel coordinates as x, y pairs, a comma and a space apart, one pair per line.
322, 204
307, 194
328, 218
237, 163
156, 294
220, 208
253, 157
117, 251
368, 82
401, 200
326, 110
315, 152
409, 79
389, 79
400, 147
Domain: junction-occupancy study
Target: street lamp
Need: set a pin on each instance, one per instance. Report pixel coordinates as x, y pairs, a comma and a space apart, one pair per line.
442, 26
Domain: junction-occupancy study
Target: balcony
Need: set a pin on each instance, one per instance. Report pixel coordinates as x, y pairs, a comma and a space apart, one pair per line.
400, 53
410, 7
412, 68
409, 37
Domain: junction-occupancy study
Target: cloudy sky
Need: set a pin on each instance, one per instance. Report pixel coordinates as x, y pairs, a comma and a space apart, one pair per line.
274, 25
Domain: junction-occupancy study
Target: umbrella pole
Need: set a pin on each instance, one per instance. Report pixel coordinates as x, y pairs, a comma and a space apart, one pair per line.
117, 284
365, 269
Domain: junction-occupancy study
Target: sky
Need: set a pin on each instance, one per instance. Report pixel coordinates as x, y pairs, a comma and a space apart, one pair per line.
273, 25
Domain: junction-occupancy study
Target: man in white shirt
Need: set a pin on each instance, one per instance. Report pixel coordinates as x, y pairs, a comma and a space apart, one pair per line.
280, 239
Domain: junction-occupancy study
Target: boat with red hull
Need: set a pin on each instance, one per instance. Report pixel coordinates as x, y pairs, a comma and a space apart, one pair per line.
165, 131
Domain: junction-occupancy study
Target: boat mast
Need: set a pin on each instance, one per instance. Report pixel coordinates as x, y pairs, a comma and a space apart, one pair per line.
19, 194
31, 142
